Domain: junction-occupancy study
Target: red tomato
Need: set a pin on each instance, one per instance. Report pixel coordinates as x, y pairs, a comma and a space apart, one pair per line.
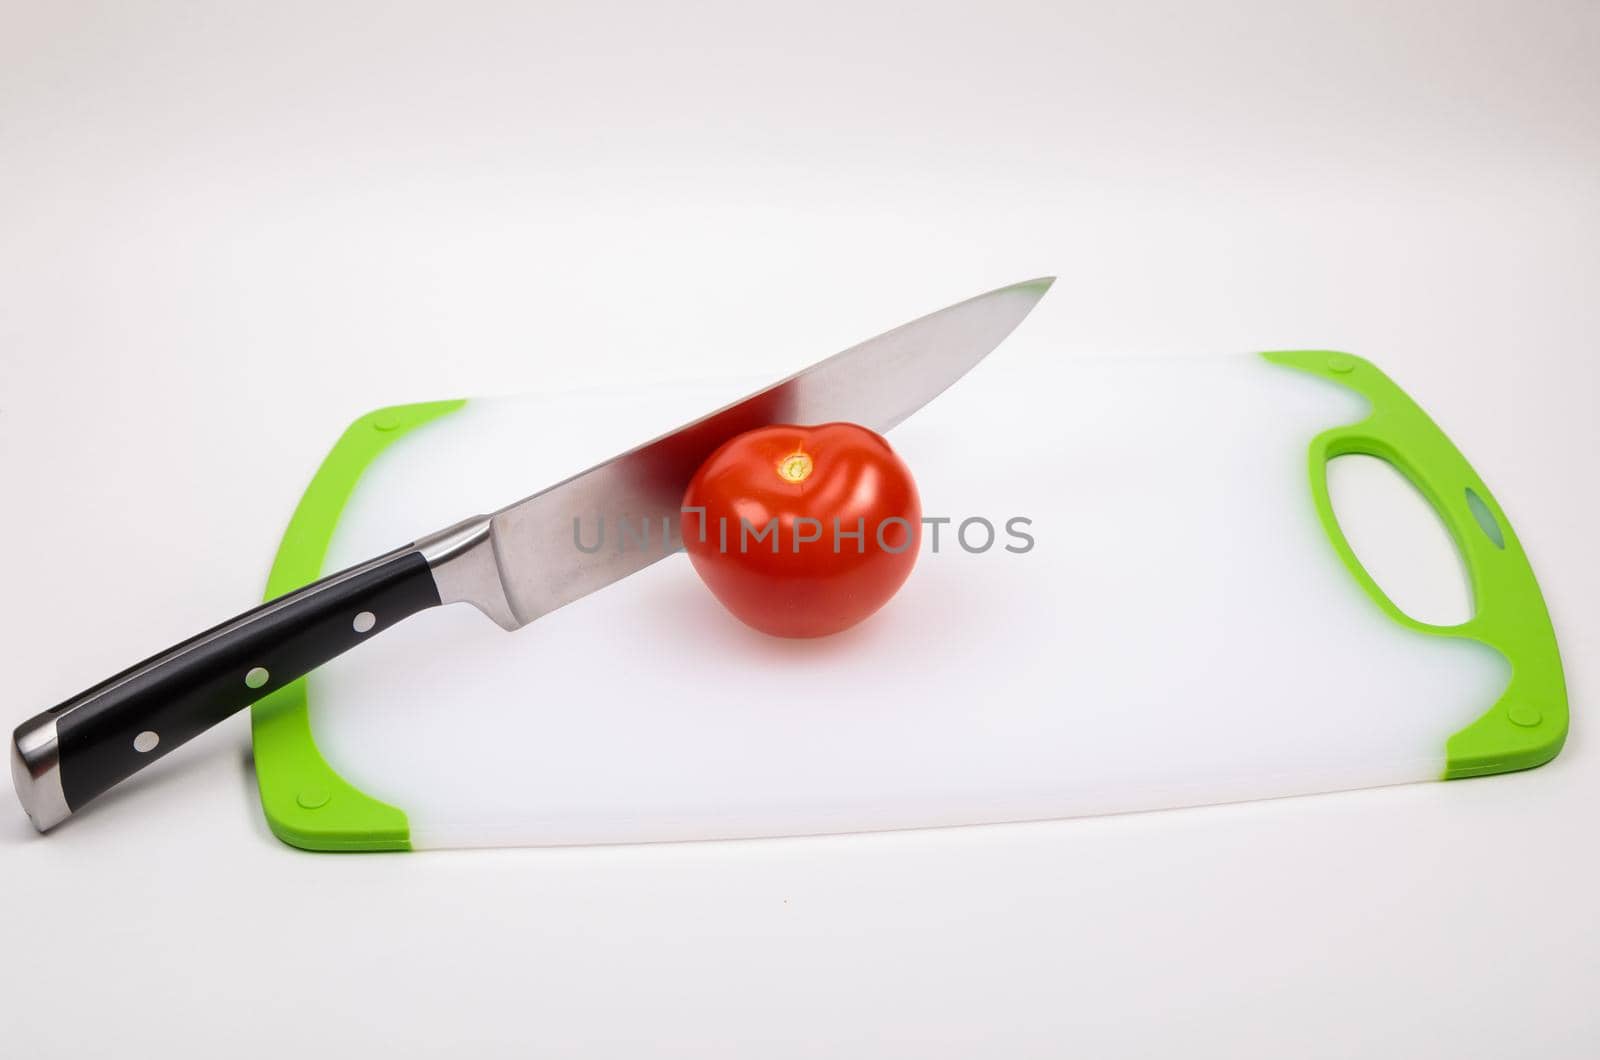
805, 531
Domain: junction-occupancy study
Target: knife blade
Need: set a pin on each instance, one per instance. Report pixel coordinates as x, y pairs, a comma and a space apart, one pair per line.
514, 565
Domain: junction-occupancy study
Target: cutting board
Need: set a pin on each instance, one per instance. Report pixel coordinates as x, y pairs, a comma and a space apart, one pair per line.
1185, 623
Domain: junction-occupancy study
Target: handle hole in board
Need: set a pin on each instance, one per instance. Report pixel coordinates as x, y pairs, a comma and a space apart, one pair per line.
1400, 539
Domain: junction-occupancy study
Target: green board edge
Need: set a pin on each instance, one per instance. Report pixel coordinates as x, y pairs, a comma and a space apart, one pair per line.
1527, 725
306, 803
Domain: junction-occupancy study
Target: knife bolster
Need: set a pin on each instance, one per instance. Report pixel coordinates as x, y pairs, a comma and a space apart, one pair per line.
462, 560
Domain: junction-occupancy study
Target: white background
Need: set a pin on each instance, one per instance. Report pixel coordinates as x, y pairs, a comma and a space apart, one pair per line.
225, 230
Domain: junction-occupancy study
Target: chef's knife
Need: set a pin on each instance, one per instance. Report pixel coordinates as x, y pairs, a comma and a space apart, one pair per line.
514, 565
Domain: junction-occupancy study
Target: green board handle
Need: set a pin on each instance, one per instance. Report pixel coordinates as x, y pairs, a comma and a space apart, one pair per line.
1528, 724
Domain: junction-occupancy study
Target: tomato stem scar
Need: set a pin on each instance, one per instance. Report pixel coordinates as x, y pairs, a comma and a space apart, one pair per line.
796, 467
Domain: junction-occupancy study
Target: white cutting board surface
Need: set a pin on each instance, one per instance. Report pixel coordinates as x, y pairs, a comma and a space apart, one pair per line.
1182, 632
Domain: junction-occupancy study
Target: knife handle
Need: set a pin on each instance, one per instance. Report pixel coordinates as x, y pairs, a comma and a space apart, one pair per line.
64, 757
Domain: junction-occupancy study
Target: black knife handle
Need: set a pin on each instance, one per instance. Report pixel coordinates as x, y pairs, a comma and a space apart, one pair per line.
73, 752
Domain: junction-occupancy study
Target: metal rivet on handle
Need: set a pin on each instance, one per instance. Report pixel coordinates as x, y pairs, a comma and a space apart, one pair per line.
364, 621
256, 677
146, 741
